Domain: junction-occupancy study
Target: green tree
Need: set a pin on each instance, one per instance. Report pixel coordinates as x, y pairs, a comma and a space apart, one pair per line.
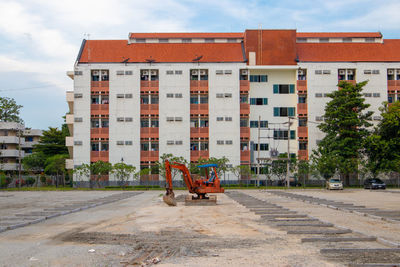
171, 158
241, 171
56, 165
52, 142
34, 163
383, 146
279, 166
122, 172
345, 127
9, 110
97, 170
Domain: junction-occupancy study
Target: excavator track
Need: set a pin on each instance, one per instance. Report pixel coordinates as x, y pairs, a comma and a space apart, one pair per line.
192, 201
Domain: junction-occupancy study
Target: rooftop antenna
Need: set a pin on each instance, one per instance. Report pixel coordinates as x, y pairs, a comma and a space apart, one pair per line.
197, 59
150, 60
87, 35
125, 60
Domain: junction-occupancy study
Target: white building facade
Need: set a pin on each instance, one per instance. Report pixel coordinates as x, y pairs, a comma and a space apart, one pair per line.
202, 95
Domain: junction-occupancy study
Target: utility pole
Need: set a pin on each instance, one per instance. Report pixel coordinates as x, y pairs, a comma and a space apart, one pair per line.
288, 154
258, 152
19, 158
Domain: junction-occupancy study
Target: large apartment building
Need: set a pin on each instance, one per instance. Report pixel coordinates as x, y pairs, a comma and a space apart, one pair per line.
217, 94
16, 142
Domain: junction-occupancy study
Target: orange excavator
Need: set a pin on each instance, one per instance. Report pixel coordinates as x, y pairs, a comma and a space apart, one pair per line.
199, 187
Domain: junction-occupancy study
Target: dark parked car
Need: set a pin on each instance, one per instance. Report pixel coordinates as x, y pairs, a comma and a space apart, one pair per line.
374, 183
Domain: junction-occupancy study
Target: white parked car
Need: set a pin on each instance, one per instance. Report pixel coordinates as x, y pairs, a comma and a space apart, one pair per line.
334, 183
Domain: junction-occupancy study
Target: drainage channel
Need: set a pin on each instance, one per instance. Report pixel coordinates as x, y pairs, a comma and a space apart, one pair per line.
335, 243
387, 215
24, 219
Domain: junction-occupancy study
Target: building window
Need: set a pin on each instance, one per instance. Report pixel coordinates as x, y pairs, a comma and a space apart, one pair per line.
324, 40
258, 78
302, 99
170, 95
244, 123
302, 145
302, 40
232, 40
228, 142
346, 74
283, 134
258, 101
220, 118
163, 40
178, 72
186, 40
284, 111
283, 88
369, 40
263, 147
347, 40
140, 40
228, 118
302, 122
178, 95
254, 124
209, 40
169, 72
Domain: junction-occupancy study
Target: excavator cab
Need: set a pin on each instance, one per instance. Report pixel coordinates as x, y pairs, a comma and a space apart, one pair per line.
200, 187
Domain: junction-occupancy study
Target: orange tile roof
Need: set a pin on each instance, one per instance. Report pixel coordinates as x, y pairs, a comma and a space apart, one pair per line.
389, 51
272, 47
118, 50
187, 35
338, 34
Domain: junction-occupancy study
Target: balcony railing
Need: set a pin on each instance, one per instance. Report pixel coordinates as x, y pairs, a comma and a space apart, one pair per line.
303, 154
149, 177
98, 155
149, 109
196, 109
148, 155
302, 86
199, 132
149, 132
244, 108
302, 109
196, 154
302, 132
244, 85
393, 85
99, 86
149, 86
198, 86
99, 109
245, 132
245, 156
99, 132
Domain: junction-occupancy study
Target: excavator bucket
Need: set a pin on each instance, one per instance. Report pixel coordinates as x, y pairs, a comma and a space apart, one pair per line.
169, 199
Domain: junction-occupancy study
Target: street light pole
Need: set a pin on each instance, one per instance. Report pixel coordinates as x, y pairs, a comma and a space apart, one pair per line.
288, 155
19, 158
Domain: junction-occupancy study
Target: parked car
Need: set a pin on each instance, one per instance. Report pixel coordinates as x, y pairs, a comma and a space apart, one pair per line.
374, 183
334, 183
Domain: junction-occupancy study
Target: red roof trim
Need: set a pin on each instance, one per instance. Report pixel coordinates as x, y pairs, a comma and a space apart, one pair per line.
338, 34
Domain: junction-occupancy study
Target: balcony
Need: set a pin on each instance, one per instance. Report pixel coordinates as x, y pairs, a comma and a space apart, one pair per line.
302, 154
302, 86
69, 141
10, 167
149, 132
99, 109
198, 109
196, 86
148, 155
149, 177
199, 132
70, 100
302, 132
196, 154
11, 140
11, 153
245, 156
244, 86
244, 108
99, 155
393, 85
149, 86
99, 86
99, 133
148, 109
302, 109
69, 119
244, 132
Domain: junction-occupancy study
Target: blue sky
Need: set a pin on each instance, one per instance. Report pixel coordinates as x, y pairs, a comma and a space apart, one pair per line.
39, 39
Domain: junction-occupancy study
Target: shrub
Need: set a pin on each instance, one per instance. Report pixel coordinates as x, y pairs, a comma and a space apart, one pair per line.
49, 181
4, 181
30, 181
43, 178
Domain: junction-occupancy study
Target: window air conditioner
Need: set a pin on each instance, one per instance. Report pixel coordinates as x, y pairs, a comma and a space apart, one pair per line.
153, 72
301, 72
244, 72
390, 72
274, 153
203, 72
342, 72
95, 72
195, 72
350, 72
145, 72
104, 72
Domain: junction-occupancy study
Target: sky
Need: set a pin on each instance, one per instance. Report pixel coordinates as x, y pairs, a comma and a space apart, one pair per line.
40, 39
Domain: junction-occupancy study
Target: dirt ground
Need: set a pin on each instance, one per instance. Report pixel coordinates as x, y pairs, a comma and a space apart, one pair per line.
142, 230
